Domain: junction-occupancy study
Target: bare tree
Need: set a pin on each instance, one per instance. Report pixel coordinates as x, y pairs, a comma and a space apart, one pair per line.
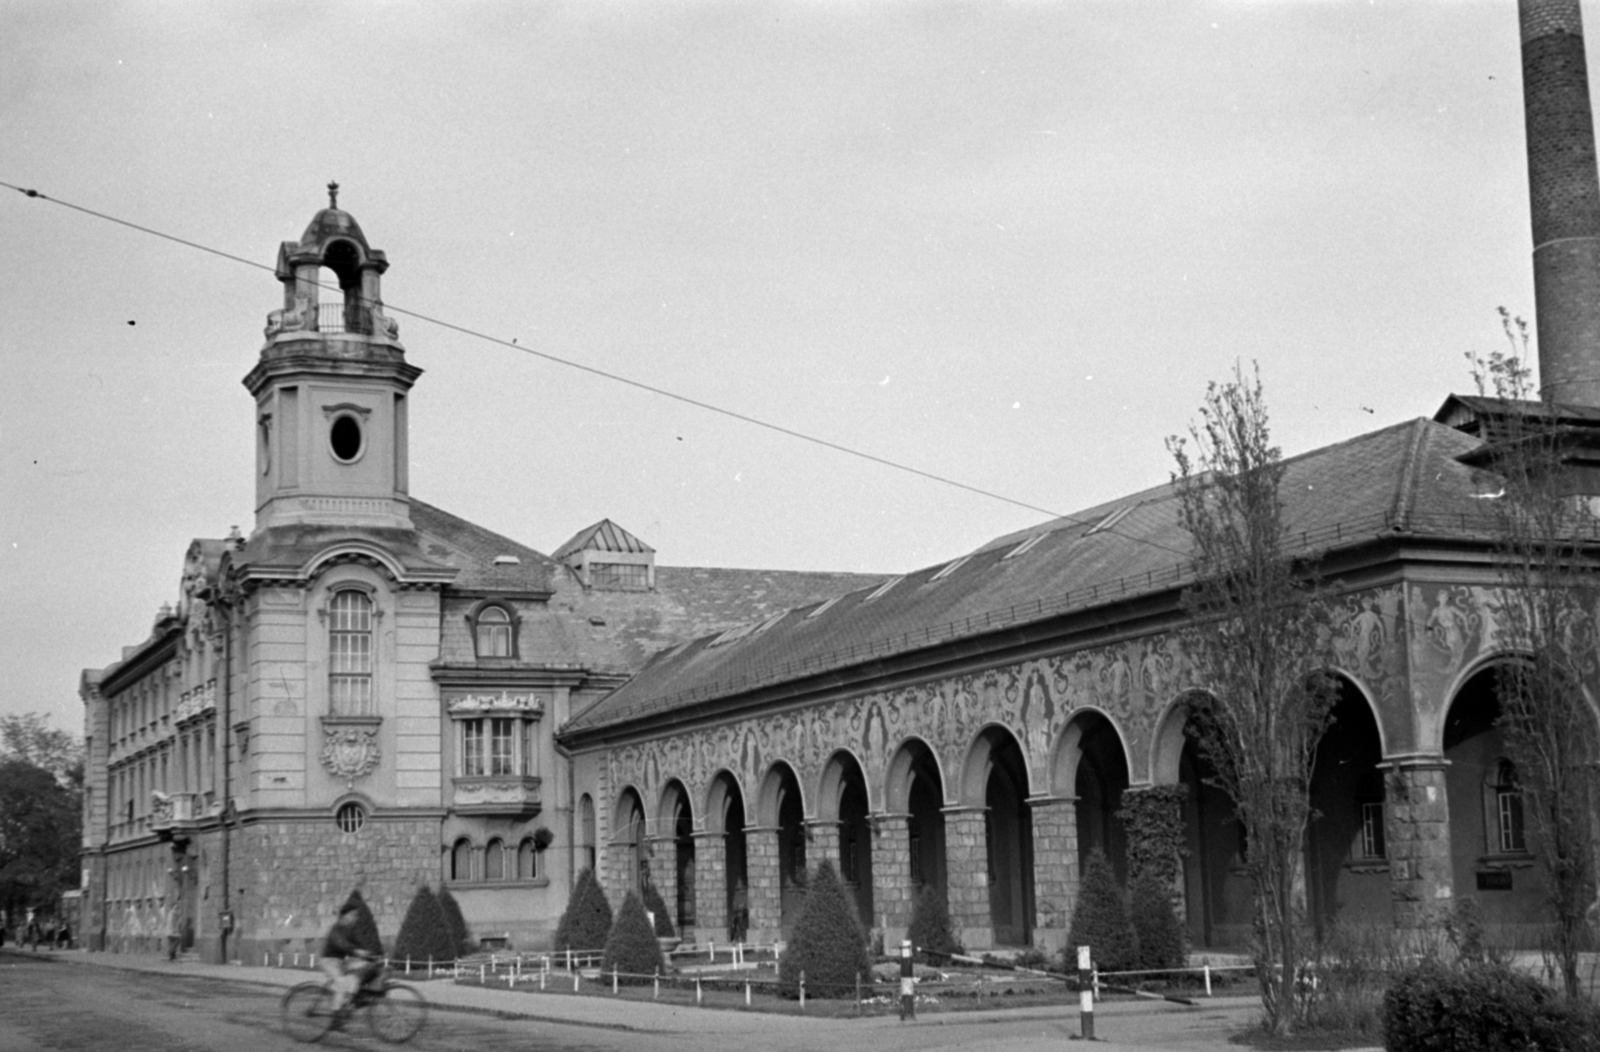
1547, 554
1257, 638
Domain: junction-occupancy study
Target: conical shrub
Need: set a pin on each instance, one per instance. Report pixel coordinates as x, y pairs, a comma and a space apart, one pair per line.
425, 933
631, 947
1158, 934
1100, 919
930, 924
586, 922
828, 944
366, 930
459, 935
658, 907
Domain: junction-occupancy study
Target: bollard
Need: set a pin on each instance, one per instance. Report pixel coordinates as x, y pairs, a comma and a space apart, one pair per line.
569, 958
430, 966
297, 958
1086, 992
908, 983
699, 995
480, 973
658, 985
541, 979
575, 978
802, 990
747, 993
511, 980
858, 993
613, 978
280, 958
711, 950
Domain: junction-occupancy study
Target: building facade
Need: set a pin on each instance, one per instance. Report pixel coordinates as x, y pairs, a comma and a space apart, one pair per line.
363, 692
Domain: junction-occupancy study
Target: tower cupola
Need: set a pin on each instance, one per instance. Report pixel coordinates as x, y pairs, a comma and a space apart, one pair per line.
331, 386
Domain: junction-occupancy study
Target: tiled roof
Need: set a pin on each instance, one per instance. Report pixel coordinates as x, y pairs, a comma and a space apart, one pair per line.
482, 556
1404, 477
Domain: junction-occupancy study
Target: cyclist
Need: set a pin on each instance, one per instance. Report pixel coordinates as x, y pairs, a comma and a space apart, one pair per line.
338, 950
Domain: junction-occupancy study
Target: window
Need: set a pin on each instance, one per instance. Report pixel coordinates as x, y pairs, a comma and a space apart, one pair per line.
461, 860
498, 746
627, 576
502, 760
494, 633
1508, 810
494, 861
472, 751
350, 654
527, 860
345, 438
351, 818
1372, 837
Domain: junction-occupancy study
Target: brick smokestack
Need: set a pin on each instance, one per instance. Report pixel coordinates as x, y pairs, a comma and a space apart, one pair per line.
1565, 199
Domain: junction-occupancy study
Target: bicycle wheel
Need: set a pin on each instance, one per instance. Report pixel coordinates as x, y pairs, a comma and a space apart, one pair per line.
398, 1015
307, 1012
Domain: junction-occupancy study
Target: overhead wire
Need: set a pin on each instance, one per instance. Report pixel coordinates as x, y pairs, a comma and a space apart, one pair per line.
1060, 520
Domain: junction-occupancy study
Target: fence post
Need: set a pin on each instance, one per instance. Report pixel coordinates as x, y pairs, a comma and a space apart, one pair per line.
575, 981
658, 984
480, 973
858, 993
1086, 992
613, 978
699, 995
747, 993
1208, 978
802, 990
908, 982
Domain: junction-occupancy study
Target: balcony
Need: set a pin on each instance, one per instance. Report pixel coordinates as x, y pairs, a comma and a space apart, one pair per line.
337, 319
504, 794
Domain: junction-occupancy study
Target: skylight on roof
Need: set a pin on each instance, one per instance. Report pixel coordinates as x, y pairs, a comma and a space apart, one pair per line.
884, 587
1025, 546
1112, 519
949, 568
824, 608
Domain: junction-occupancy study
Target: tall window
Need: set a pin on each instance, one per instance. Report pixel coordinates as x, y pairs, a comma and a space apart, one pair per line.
472, 748
502, 758
494, 633
1508, 810
527, 860
350, 654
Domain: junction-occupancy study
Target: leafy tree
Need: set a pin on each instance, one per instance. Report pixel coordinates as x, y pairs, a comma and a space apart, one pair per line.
459, 935
828, 945
1256, 636
631, 946
586, 922
929, 930
366, 930
425, 932
41, 811
1100, 919
1547, 553
1158, 935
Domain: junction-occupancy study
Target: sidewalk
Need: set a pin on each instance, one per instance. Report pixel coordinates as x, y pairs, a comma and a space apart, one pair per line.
1137, 1026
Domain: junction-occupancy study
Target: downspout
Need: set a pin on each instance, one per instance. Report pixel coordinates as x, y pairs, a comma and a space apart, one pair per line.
227, 772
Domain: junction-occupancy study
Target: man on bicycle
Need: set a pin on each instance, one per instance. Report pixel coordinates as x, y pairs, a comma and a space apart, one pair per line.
337, 952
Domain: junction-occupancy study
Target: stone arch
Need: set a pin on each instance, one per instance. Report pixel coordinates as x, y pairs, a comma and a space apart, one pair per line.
915, 788
725, 814
781, 816
994, 783
842, 807
1346, 855
1091, 766
629, 850
674, 874
1169, 741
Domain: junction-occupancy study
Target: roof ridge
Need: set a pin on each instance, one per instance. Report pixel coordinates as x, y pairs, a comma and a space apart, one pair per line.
1405, 494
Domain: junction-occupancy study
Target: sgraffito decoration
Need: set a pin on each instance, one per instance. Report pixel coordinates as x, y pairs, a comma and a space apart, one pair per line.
1131, 682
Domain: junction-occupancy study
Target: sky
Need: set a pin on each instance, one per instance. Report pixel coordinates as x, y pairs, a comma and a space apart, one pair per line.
1008, 244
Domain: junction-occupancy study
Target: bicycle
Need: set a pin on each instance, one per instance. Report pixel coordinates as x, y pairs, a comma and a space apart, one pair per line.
395, 1011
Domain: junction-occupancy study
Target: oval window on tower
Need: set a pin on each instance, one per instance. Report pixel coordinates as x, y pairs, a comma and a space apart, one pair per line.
345, 437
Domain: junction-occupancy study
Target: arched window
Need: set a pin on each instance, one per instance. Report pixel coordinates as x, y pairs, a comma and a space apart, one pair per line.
527, 860
350, 654
494, 861
494, 633
1508, 820
461, 860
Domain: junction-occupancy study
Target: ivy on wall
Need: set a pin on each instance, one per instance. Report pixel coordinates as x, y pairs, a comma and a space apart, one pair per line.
1153, 817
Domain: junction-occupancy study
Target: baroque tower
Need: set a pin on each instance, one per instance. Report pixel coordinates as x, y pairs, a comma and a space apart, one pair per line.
331, 387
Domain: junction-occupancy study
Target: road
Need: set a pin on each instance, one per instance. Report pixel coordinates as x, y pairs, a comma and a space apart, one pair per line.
66, 1004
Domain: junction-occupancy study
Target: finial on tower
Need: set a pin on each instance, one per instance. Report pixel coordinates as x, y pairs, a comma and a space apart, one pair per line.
333, 195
